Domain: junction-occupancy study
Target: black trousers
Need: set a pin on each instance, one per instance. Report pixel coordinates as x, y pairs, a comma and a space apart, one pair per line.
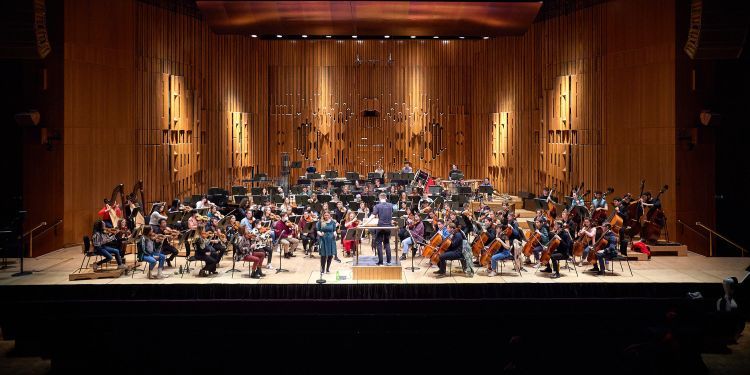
451, 255
383, 239
210, 260
169, 250
556, 258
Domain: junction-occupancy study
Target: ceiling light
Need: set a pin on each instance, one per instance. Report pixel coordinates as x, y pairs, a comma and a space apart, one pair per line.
435, 37
354, 36
486, 37
413, 36
278, 35
328, 36
304, 36
460, 37
387, 36
254, 36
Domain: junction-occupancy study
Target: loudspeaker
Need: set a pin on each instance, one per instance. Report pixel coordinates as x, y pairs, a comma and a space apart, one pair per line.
718, 29
23, 30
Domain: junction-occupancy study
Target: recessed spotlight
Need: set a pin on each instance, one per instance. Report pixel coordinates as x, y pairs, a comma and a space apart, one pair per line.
413, 36
278, 35
354, 36
304, 36
486, 37
387, 36
460, 37
328, 36
435, 37
254, 36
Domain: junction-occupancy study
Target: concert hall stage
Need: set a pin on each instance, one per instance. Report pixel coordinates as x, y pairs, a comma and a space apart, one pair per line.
50, 316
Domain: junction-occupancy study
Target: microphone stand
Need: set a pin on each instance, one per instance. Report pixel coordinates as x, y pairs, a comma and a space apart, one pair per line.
281, 256
413, 252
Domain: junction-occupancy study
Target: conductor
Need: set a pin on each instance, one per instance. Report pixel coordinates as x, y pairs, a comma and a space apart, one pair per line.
384, 212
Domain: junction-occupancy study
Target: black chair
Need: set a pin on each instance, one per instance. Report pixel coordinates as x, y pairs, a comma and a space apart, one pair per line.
189, 259
88, 252
618, 258
139, 259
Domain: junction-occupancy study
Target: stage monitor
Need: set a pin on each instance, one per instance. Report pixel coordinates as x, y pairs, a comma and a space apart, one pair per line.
352, 176
332, 174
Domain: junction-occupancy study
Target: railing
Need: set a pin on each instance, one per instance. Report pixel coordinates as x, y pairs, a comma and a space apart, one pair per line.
31, 235
710, 240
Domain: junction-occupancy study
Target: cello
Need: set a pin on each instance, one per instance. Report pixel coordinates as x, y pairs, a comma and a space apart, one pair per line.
435, 257
551, 210
478, 244
615, 220
495, 245
433, 245
600, 245
529, 246
551, 247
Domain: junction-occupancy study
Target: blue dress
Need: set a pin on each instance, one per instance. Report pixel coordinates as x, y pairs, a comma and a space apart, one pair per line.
328, 240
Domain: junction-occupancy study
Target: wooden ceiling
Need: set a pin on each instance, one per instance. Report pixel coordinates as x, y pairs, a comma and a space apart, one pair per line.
370, 18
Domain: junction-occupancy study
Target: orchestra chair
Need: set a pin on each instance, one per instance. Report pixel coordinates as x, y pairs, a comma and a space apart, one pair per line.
139, 259
188, 259
502, 264
570, 261
619, 258
88, 252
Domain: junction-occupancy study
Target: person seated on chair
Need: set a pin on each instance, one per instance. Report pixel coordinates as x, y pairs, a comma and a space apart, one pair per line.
543, 241
205, 252
311, 168
407, 168
104, 213
454, 252
608, 252
248, 252
517, 232
247, 221
216, 240
415, 228
589, 231
157, 214
285, 234
151, 253
502, 254
379, 170
193, 220
166, 247
102, 246
562, 251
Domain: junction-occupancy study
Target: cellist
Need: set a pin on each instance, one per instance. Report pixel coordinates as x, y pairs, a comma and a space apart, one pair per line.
590, 232
502, 254
541, 228
608, 252
562, 251
621, 209
454, 252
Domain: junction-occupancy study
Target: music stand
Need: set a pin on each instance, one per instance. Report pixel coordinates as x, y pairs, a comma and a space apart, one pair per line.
298, 210
321, 183
277, 198
415, 200
331, 174
486, 189
352, 176
399, 213
172, 218
301, 200
324, 198
346, 198
413, 252
317, 207
313, 176
354, 206
369, 200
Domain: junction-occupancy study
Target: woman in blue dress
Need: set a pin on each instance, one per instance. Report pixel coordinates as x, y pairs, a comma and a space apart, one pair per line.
327, 241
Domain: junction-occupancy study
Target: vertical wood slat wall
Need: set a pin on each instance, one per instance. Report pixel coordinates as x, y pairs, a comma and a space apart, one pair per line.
235, 95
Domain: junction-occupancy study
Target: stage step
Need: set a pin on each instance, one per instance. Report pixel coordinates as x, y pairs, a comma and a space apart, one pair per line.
365, 268
89, 274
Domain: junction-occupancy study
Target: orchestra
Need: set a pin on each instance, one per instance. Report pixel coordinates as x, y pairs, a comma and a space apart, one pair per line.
253, 227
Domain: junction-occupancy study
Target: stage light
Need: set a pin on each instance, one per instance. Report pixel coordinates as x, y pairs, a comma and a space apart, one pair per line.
387, 36
278, 35
486, 37
254, 36
304, 36
435, 37
413, 36
460, 37
354, 36
328, 36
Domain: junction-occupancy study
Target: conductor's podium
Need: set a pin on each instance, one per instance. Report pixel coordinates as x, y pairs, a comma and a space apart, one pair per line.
366, 268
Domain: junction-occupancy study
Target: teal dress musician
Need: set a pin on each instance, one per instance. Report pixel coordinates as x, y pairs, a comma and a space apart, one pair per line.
327, 242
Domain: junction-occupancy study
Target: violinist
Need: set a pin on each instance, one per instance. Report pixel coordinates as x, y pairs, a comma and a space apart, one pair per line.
541, 228
306, 190
340, 212
151, 253
205, 252
101, 242
502, 254
415, 227
264, 242
286, 207
285, 235
217, 238
363, 209
426, 201
214, 213
454, 252
156, 214
310, 237
232, 225
248, 253
562, 251
609, 252
349, 223
204, 202
588, 231
193, 220
166, 247
122, 235
247, 222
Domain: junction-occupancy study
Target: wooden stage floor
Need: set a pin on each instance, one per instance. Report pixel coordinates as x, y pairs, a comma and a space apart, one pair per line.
54, 269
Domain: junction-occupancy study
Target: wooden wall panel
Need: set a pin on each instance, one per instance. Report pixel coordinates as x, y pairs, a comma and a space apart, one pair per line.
585, 97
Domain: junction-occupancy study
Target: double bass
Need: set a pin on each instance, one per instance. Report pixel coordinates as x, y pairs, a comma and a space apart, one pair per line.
598, 216
634, 221
655, 221
551, 210
615, 220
